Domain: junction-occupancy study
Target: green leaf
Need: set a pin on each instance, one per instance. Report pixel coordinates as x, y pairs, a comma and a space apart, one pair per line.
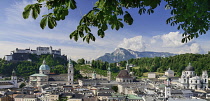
26, 14
89, 37
51, 22
26, 11
86, 28
183, 40
43, 22
40, 1
128, 19
72, 4
74, 35
101, 33
34, 13
28, 7
35, 10
104, 27
142, 11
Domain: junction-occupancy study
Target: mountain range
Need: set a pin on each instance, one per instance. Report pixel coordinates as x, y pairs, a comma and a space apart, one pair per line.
121, 54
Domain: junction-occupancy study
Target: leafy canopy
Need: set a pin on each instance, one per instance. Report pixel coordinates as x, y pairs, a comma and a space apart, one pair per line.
191, 16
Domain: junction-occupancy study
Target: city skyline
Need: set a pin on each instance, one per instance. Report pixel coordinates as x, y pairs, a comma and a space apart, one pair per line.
148, 33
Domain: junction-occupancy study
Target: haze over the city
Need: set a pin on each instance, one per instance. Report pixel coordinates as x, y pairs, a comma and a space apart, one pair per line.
148, 33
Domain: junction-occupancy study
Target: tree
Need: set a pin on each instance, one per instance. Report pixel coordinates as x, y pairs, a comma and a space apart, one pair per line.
81, 61
22, 85
191, 16
115, 88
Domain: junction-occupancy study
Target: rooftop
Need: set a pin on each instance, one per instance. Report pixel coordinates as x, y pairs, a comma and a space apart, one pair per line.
38, 75
124, 74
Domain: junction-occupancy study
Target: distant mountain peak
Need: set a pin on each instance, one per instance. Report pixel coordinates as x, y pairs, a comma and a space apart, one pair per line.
121, 54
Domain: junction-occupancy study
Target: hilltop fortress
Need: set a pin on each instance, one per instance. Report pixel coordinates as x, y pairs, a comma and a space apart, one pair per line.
23, 54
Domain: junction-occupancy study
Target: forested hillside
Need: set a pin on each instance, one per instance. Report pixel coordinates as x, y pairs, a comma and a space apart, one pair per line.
158, 64
26, 68
177, 63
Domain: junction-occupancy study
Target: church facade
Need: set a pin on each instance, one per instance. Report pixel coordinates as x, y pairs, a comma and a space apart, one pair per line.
124, 75
189, 80
44, 76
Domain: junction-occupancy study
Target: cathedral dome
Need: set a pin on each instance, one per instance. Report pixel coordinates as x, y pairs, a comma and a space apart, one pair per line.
189, 68
44, 66
124, 74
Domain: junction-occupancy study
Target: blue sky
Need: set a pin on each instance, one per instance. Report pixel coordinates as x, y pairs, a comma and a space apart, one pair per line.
148, 33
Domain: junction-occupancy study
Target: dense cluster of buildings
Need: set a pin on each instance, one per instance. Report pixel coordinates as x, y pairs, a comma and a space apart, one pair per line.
47, 86
44, 77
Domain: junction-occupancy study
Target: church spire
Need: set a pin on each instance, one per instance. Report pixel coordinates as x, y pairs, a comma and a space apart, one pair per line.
127, 67
44, 62
109, 73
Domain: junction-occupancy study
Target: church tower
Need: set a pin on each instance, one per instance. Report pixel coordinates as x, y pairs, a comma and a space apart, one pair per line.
70, 73
14, 79
109, 73
127, 67
204, 79
184, 80
168, 88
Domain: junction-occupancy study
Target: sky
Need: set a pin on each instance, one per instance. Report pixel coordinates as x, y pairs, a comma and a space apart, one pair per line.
147, 33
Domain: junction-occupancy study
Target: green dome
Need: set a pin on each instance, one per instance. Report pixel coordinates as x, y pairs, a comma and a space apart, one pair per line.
44, 66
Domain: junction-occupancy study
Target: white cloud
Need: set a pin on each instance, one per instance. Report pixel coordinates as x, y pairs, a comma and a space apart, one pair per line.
170, 42
135, 43
196, 48
172, 39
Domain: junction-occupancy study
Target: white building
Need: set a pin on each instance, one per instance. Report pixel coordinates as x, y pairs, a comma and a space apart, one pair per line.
24, 97
189, 80
44, 76
169, 73
151, 75
38, 51
92, 82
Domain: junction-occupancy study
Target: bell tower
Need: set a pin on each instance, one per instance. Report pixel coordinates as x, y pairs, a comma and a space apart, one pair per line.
168, 88
109, 73
14, 79
70, 73
127, 67
204, 78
